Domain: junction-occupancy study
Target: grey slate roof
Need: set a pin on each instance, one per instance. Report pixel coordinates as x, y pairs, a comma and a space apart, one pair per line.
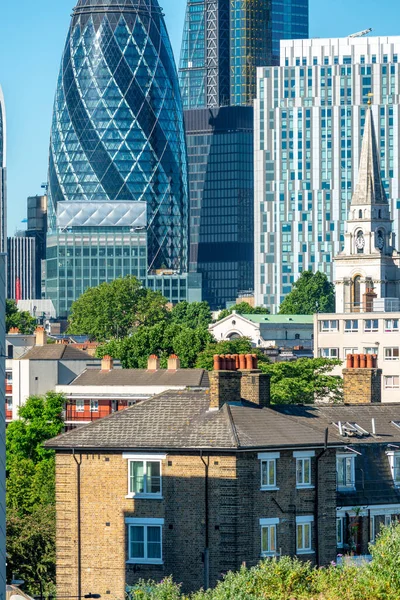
182, 420
57, 352
142, 377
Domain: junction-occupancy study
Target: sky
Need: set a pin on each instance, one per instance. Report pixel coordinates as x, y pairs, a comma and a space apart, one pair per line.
32, 37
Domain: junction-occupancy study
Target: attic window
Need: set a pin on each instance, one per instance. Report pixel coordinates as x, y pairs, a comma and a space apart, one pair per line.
394, 462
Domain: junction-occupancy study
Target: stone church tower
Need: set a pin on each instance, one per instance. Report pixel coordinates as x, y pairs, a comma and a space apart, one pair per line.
367, 271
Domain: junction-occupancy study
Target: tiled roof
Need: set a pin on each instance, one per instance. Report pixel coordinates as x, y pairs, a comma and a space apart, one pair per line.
56, 352
281, 319
182, 420
142, 377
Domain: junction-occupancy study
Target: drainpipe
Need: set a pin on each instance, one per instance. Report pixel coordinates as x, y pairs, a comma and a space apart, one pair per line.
206, 524
78, 500
316, 505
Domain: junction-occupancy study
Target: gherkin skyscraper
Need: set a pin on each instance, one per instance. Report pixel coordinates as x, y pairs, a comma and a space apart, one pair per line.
118, 199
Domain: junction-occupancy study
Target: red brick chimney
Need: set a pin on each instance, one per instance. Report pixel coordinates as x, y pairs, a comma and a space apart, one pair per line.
255, 386
362, 380
153, 364
174, 363
224, 382
107, 364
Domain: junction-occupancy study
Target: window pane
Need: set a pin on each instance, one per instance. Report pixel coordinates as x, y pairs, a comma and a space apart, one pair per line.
340, 466
264, 539
307, 470
272, 541
137, 541
299, 471
271, 472
307, 535
348, 472
300, 537
154, 542
137, 479
264, 474
153, 478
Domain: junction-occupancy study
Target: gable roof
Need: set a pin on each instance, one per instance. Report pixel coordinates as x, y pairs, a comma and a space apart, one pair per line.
182, 420
142, 377
56, 352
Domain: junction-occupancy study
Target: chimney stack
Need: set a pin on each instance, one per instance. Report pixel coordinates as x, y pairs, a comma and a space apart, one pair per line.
153, 364
174, 363
14, 331
40, 337
224, 382
107, 364
362, 380
236, 377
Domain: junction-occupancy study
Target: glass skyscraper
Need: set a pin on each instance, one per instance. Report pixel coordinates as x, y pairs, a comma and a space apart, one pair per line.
3, 179
224, 41
309, 120
117, 168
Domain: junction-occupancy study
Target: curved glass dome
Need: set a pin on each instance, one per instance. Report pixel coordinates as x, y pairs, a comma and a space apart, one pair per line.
117, 130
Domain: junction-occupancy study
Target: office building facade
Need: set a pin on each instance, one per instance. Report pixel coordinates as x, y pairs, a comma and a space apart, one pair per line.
3, 175
117, 167
309, 121
223, 44
37, 229
3, 558
21, 268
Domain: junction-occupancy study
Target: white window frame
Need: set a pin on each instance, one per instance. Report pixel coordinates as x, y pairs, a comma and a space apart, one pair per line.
339, 532
268, 457
145, 523
94, 406
371, 329
372, 529
347, 351
332, 325
389, 382
271, 526
388, 353
354, 326
390, 327
329, 353
9, 402
345, 487
371, 350
144, 458
305, 457
302, 522
79, 405
394, 462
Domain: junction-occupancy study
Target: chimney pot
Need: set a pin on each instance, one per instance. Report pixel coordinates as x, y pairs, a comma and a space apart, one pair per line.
363, 361
242, 362
222, 362
356, 361
217, 362
249, 361
107, 363
237, 362
349, 361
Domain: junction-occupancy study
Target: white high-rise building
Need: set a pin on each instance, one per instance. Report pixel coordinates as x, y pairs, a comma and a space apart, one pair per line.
309, 122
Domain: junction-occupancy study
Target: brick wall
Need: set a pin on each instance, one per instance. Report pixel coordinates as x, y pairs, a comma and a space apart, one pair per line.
235, 506
362, 386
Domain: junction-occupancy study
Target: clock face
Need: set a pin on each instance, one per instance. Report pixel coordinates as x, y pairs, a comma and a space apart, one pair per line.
360, 241
380, 242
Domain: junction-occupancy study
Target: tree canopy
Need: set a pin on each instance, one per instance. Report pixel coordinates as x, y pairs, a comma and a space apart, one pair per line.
22, 320
311, 293
304, 381
193, 315
116, 309
243, 308
31, 491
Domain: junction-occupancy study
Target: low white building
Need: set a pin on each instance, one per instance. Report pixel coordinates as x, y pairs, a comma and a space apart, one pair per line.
266, 331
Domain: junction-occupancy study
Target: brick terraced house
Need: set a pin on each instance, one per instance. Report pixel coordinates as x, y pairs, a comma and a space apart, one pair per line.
195, 482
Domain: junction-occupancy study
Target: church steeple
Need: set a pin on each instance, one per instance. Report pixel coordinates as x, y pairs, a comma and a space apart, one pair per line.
369, 189
368, 266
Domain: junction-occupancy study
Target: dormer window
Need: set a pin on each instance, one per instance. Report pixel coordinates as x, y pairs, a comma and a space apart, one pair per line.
345, 468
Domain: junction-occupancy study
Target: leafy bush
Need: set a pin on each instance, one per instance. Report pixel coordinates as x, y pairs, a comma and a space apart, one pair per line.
291, 579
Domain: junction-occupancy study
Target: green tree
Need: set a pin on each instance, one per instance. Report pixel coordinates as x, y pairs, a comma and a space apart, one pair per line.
162, 339
31, 491
193, 315
20, 319
243, 309
205, 359
311, 293
116, 309
304, 381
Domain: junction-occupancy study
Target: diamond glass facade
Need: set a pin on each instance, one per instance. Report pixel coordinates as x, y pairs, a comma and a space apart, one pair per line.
117, 131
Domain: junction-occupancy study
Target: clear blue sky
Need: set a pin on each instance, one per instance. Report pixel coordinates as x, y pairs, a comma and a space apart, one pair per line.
32, 35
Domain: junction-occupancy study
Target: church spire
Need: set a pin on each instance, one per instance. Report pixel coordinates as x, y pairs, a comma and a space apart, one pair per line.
369, 189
